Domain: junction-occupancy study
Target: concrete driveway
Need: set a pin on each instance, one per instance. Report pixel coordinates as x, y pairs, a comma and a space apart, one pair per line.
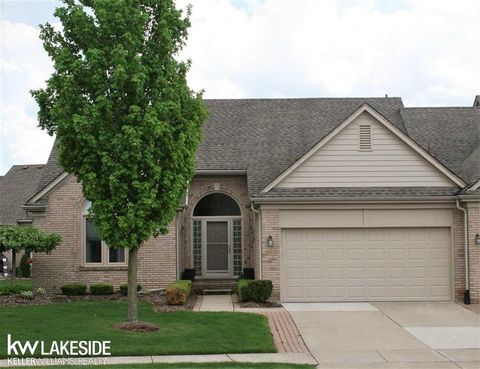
389, 335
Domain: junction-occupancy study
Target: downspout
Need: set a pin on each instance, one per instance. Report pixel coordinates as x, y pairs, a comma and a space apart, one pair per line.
259, 238
466, 295
176, 247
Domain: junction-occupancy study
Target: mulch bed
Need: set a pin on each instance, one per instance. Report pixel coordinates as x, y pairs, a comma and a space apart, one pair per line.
156, 298
251, 304
139, 327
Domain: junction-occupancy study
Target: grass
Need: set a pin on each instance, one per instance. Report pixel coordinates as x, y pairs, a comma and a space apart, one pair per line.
182, 332
197, 366
24, 284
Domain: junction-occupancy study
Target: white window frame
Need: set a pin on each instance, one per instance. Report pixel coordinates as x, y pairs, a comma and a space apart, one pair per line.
105, 249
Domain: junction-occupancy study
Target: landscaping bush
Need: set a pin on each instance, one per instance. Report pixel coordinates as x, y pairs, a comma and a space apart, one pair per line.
124, 289
179, 292
74, 289
11, 290
101, 289
254, 290
25, 270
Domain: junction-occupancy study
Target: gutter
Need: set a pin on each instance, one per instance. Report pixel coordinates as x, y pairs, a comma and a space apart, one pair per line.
176, 247
299, 200
34, 207
252, 207
223, 172
466, 295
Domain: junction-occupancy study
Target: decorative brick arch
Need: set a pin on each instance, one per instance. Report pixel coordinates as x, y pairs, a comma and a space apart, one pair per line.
234, 186
196, 199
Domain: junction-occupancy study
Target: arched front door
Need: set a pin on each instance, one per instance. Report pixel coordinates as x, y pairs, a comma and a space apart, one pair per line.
217, 237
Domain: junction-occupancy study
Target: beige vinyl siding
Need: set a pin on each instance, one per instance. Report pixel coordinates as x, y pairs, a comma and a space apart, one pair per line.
389, 163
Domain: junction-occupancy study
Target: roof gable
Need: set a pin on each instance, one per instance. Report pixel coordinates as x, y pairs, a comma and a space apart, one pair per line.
337, 161
16, 187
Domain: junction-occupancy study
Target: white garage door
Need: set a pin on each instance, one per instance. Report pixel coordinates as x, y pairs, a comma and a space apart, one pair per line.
369, 264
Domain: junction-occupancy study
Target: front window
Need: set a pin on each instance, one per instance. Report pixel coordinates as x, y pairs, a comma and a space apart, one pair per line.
93, 242
96, 251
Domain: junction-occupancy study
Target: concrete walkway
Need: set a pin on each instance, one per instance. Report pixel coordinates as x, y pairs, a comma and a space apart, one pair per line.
289, 358
216, 303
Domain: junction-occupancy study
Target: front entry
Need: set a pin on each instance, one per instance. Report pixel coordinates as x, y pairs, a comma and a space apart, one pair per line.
217, 249
217, 237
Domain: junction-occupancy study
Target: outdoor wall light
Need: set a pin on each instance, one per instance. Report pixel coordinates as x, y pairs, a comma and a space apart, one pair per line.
270, 241
477, 239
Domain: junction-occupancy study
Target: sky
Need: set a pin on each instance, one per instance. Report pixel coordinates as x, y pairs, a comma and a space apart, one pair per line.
427, 52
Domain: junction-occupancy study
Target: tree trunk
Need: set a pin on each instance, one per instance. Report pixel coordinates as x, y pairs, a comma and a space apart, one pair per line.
132, 285
14, 269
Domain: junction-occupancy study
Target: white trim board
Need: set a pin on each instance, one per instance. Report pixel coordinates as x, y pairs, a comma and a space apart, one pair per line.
367, 108
475, 186
49, 187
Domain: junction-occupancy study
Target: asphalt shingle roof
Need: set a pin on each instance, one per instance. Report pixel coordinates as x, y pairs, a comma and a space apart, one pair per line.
266, 136
16, 187
451, 135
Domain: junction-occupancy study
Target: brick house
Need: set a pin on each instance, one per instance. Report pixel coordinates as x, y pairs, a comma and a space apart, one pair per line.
333, 199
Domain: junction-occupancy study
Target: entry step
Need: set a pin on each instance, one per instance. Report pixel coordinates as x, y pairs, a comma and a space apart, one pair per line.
217, 291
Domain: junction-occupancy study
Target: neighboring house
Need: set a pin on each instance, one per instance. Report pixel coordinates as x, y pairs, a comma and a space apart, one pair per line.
333, 199
17, 186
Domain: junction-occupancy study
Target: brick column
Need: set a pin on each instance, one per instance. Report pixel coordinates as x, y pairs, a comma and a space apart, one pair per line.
458, 236
474, 250
271, 255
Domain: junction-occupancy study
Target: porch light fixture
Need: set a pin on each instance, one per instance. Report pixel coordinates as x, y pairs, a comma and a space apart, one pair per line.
270, 241
477, 239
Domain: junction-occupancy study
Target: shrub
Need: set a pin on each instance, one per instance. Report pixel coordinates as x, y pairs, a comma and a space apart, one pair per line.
124, 289
74, 289
254, 290
179, 292
101, 289
41, 291
12, 290
27, 295
25, 270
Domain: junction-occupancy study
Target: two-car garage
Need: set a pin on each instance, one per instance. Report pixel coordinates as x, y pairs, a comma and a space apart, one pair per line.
366, 255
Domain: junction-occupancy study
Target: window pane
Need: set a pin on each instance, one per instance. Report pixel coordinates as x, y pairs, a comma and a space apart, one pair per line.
216, 204
93, 243
116, 255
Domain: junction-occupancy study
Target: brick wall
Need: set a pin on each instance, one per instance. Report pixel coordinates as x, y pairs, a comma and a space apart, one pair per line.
157, 257
474, 250
271, 255
234, 186
458, 235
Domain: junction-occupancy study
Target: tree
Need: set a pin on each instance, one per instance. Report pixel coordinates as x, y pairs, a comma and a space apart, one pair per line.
15, 238
126, 122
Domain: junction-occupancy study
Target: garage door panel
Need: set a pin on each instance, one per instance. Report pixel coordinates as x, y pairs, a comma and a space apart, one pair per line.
315, 273
366, 264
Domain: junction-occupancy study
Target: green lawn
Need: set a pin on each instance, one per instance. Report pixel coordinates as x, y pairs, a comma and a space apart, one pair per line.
182, 332
196, 366
24, 284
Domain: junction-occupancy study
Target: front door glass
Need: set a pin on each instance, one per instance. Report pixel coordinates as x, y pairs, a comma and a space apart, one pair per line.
217, 247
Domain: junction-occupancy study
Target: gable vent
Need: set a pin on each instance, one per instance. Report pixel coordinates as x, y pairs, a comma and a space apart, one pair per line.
365, 137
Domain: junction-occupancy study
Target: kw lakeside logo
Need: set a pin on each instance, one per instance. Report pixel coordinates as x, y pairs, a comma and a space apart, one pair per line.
58, 348
72, 352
